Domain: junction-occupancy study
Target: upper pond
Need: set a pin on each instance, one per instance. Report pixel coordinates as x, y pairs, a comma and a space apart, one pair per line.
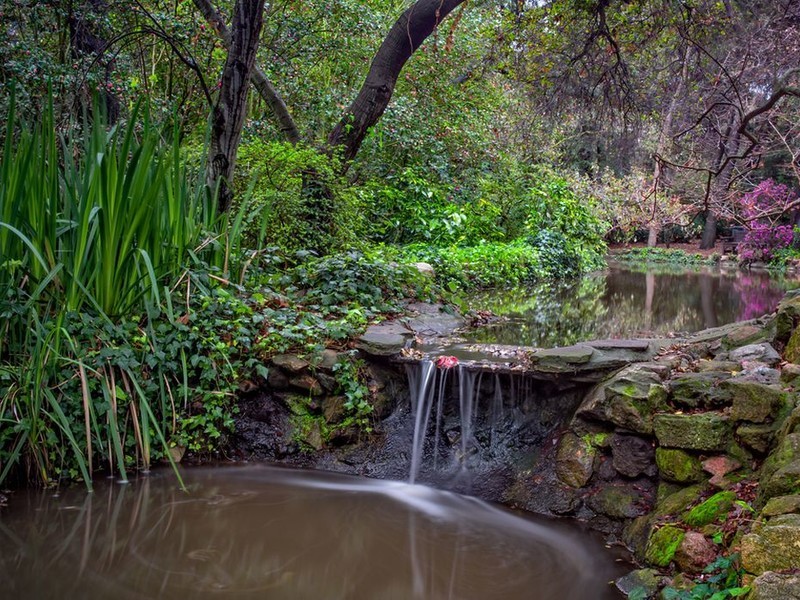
260, 532
627, 302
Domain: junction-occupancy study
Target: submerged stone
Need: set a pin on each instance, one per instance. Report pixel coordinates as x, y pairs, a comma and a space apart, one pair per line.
705, 431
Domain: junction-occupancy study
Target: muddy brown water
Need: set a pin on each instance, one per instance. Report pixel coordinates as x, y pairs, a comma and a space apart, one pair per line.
272, 533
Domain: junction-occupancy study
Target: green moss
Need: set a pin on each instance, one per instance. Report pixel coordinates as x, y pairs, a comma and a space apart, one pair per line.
662, 545
677, 465
596, 440
716, 507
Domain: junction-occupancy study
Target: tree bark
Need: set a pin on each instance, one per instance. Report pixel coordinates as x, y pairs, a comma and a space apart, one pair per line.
231, 108
261, 82
406, 35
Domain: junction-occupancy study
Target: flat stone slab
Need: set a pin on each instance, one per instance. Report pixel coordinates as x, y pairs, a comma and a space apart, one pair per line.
635, 345
704, 431
385, 339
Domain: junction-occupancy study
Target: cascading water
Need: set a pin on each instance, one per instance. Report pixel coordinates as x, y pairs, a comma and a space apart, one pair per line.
428, 383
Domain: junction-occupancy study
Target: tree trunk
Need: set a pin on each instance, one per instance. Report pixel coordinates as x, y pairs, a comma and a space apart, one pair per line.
709, 238
405, 36
231, 108
266, 90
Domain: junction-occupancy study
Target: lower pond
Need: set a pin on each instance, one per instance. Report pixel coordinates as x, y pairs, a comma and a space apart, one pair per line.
627, 302
263, 532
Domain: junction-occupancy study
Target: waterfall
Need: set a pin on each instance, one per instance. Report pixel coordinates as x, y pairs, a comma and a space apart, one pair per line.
428, 387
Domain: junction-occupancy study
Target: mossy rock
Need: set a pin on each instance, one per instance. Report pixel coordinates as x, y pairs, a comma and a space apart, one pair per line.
618, 501
678, 466
663, 544
781, 505
787, 452
692, 390
788, 315
774, 547
784, 481
574, 460
678, 502
756, 402
756, 437
792, 352
704, 431
710, 510
744, 335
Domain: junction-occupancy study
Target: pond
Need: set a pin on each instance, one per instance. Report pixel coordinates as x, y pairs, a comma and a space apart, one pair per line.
265, 532
627, 302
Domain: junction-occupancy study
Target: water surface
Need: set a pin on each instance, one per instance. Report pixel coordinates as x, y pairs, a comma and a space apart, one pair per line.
262, 532
623, 302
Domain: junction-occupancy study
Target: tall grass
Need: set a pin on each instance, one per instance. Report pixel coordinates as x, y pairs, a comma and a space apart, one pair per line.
98, 222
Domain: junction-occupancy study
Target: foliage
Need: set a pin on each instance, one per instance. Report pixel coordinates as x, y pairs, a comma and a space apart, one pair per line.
663, 255
762, 209
720, 580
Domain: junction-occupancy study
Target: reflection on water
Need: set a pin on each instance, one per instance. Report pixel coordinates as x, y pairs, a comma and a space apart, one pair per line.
622, 303
259, 532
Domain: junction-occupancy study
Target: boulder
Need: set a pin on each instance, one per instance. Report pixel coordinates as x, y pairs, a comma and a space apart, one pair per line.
632, 455
703, 390
710, 510
781, 505
308, 383
290, 362
763, 353
704, 432
424, 268
328, 359
626, 400
678, 502
755, 402
719, 467
790, 374
574, 460
788, 315
384, 339
644, 582
775, 546
757, 438
747, 333
663, 544
775, 586
678, 466
776, 472
619, 501
695, 552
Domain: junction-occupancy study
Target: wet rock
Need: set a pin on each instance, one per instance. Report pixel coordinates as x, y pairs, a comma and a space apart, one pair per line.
781, 505
632, 455
775, 586
619, 501
290, 362
755, 402
277, 379
562, 500
663, 544
333, 408
711, 510
692, 390
704, 432
385, 339
695, 552
774, 547
433, 320
636, 534
678, 466
643, 582
327, 382
757, 438
763, 353
574, 460
719, 467
561, 359
308, 383
625, 400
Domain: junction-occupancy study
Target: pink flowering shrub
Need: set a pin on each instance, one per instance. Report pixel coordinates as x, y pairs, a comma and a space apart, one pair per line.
762, 208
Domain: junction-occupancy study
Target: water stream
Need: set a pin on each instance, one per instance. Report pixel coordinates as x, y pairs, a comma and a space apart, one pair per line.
260, 532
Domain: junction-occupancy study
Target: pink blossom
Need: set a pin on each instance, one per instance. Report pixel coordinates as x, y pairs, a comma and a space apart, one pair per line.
446, 362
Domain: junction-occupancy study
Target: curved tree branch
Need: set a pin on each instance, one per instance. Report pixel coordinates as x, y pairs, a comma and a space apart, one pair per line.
406, 35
